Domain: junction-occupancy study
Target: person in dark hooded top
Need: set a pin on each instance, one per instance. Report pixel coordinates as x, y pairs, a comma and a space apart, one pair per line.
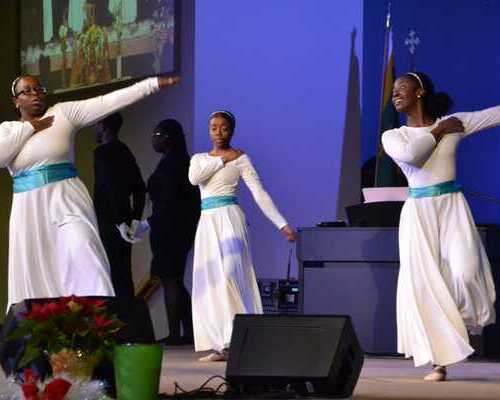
173, 222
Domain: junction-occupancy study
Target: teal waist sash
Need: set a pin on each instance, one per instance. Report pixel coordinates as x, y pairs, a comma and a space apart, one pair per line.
434, 190
38, 177
217, 201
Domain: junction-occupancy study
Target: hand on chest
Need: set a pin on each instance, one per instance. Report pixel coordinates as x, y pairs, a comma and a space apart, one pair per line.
52, 143
229, 174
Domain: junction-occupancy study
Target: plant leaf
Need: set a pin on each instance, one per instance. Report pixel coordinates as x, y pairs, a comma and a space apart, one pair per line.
30, 353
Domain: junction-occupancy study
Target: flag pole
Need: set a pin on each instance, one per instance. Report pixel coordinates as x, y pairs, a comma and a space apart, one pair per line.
385, 63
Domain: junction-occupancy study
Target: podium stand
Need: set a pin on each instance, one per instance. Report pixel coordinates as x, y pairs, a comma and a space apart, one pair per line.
354, 271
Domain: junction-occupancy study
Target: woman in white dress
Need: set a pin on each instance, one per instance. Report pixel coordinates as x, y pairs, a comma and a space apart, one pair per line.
224, 281
54, 245
445, 286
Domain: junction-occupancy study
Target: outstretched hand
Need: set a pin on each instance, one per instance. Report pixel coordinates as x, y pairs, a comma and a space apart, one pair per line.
42, 123
166, 81
447, 126
289, 233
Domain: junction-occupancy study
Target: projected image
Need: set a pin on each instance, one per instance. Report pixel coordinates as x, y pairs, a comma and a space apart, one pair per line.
71, 44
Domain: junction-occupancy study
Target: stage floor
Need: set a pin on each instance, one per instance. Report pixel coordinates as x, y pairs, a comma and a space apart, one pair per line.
381, 378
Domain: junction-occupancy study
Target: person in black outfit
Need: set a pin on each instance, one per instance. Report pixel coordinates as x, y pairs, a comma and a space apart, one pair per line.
176, 210
117, 180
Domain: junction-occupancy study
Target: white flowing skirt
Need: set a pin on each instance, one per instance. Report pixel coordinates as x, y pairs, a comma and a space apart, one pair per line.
445, 286
224, 281
54, 244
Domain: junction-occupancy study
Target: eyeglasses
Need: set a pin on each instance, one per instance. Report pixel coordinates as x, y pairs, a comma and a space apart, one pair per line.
160, 134
29, 91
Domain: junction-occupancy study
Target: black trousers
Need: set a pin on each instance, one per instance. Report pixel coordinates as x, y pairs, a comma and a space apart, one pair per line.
119, 254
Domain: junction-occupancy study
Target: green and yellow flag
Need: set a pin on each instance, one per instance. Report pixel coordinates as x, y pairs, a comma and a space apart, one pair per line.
387, 173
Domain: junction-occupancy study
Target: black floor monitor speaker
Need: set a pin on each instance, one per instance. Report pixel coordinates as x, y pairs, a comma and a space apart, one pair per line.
305, 355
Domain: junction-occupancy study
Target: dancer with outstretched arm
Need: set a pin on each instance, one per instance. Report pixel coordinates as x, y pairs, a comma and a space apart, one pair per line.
445, 287
54, 245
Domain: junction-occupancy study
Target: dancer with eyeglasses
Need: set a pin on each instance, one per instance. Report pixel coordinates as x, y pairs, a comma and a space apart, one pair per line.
54, 245
445, 287
224, 281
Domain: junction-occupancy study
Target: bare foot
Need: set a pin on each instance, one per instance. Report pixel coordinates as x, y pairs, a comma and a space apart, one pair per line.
215, 356
438, 374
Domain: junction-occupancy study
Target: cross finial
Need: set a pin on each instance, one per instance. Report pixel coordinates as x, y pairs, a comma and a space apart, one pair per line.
412, 41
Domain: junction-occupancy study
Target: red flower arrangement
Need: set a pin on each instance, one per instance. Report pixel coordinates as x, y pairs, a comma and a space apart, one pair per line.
68, 323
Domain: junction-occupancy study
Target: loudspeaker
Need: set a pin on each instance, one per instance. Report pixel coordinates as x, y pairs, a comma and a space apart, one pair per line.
302, 354
134, 313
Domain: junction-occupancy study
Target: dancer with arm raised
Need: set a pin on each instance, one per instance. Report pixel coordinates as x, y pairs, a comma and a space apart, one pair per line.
445, 287
54, 245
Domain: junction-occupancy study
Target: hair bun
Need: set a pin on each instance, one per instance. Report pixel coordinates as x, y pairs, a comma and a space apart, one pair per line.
440, 103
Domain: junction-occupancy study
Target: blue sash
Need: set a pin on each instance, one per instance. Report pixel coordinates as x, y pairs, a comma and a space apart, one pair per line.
38, 177
434, 190
218, 201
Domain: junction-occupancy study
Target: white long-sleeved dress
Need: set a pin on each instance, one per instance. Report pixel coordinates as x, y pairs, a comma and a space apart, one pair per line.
224, 281
54, 244
445, 286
